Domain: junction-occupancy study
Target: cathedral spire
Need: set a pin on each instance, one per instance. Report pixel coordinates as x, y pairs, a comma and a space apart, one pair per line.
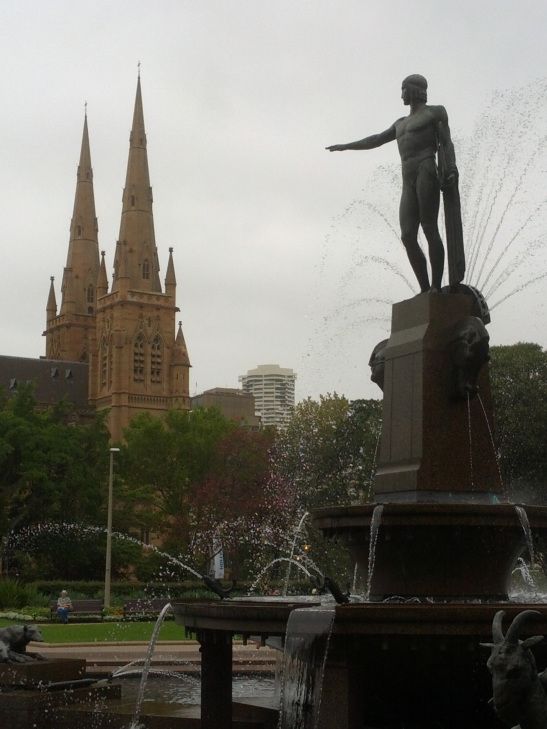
136, 258
67, 334
170, 277
102, 280
181, 350
82, 264
51, 308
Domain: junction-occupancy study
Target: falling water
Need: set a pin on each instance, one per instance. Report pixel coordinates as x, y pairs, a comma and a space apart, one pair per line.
522, 569
278, 560
493, 446
304, 658
470, 431
523, 517
293, 545
374, 529
146, 667
375, 457
28, 537
503, 176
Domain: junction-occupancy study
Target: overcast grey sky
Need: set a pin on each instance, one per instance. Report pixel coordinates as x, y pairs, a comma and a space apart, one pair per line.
281, 251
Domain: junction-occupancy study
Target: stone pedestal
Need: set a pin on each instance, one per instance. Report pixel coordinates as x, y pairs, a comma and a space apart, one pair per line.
435, 446
30, 674
216, 679
27, 702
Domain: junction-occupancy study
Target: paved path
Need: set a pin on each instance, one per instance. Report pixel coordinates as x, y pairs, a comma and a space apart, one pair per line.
184, 657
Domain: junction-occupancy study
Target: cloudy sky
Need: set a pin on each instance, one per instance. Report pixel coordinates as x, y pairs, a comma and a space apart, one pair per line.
284, 252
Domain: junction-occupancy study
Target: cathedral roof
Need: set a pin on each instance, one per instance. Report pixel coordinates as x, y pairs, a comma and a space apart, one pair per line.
53, 379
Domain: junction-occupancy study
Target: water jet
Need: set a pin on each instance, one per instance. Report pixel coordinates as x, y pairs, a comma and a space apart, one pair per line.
439, 541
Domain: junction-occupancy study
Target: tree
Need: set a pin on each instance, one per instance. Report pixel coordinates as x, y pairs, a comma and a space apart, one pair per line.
518, 375
49, 470
326, 458
327, 451
163, 466
238, 503
52, 481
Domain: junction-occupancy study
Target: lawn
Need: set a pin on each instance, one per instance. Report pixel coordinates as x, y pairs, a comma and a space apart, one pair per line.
105, 631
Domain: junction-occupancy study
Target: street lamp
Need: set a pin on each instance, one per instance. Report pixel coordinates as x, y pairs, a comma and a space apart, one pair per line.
109, 530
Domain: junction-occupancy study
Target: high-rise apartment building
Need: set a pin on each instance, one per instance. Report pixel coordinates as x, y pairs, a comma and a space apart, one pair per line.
273, 389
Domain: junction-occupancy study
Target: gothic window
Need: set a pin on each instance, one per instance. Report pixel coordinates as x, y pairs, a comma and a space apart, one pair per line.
132, 201
146, 268
79, 230
138, 359
104, 363
156, 356
90, 296
55, 347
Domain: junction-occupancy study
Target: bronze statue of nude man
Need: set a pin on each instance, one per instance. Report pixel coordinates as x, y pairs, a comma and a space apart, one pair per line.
419, 136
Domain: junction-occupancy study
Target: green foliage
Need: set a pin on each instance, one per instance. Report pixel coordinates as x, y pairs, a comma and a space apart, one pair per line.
163, 465
325, 457
67, 551
13, 594
235, 503
518, 376
327, 451
49, 470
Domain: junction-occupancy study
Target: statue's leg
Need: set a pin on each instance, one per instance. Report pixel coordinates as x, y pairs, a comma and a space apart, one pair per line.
428, 195
409, 217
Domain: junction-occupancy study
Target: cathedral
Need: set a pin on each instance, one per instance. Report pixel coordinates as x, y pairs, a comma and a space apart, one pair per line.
126, 333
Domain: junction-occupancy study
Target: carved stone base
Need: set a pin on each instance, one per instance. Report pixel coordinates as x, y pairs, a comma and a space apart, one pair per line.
432, 440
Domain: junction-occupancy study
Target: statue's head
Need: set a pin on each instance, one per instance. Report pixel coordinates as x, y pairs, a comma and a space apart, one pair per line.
469, 351
377, 363
414, 88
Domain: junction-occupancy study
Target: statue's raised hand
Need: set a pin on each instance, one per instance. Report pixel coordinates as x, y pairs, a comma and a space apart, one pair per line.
337, 148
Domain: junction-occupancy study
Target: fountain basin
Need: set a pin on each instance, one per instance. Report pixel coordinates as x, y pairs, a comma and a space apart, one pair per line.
388, 664
239, 617
44, 672
437, 551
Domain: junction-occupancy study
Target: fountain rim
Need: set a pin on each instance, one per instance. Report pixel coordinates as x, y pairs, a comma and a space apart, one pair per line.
428, 514
261, 617
373, 619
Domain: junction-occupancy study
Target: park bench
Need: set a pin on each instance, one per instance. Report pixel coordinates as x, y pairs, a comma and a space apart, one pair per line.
144, 607
80, 607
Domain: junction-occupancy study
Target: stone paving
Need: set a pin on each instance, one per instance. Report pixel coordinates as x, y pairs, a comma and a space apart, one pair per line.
184, 657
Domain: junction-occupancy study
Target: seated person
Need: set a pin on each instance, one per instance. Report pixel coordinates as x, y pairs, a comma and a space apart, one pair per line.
64, 606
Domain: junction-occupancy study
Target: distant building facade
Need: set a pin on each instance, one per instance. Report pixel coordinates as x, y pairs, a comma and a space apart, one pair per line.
234, 404
52, 380
273, 389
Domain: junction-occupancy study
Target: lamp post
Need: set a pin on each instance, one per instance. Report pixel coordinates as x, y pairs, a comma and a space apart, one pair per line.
109, 530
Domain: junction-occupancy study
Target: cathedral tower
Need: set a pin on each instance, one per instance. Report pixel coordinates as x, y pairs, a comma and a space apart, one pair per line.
137, 362
68, 332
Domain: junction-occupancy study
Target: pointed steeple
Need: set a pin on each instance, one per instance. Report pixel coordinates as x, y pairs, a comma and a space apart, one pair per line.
136, 258
82, 264
68, 332
170, 277
180, 351
136, 363
51, 308
102, 281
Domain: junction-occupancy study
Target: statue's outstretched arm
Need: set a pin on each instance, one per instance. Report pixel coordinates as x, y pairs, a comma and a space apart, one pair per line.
375, 140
